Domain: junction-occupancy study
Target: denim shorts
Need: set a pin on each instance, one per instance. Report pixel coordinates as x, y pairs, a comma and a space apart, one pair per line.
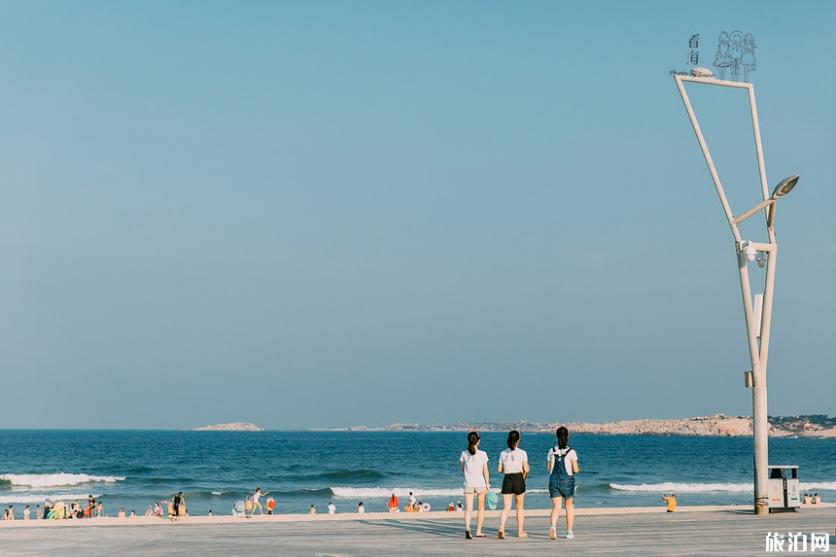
562, 486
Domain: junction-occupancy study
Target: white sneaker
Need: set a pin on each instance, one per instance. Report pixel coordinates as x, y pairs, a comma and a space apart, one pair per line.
570, 535
553, 533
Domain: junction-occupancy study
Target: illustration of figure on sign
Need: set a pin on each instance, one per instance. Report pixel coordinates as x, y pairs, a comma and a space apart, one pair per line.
736, 52
722, 60
748, 60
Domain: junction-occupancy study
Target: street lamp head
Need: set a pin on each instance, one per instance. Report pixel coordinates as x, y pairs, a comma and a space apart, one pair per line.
784, 187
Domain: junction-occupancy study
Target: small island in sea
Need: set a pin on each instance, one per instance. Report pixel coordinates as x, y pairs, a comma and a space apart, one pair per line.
232, 426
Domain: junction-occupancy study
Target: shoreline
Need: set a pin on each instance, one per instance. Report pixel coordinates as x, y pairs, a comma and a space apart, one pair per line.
377, 516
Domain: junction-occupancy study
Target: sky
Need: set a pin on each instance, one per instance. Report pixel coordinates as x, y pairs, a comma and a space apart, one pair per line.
324, 214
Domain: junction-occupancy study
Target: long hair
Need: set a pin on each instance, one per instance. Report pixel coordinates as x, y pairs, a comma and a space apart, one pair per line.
472, 441
562, 437
513, 439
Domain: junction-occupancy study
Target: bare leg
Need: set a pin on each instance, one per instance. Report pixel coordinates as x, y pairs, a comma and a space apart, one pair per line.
556, 501
520, 500
506, 509
468, 510
480, 513
570, 513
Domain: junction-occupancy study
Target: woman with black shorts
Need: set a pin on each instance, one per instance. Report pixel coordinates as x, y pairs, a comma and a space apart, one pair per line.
513, 462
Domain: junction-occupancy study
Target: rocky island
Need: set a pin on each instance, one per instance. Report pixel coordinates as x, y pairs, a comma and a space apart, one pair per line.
233, 426
716, 425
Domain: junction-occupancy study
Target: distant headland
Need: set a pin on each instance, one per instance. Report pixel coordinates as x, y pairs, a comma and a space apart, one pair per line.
717, 425
233, 426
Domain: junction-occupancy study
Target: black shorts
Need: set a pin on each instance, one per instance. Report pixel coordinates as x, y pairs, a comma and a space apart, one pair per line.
513, 484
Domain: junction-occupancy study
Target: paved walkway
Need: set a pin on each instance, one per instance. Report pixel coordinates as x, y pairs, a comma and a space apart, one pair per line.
648, 534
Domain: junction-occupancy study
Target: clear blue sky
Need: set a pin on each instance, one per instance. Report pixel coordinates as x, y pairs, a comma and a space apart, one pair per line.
335, 213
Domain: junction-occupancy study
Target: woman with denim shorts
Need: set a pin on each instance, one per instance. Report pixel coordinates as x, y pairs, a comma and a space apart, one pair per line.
562, 462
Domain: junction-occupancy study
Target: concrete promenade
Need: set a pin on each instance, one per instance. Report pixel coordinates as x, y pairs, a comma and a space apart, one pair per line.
649, 532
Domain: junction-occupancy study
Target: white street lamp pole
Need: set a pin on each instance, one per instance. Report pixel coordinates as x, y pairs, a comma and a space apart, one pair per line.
757, 312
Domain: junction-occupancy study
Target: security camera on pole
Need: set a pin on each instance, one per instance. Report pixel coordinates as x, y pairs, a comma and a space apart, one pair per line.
758, 309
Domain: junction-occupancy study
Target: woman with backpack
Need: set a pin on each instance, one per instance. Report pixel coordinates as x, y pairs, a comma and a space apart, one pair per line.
562, 463
476, 482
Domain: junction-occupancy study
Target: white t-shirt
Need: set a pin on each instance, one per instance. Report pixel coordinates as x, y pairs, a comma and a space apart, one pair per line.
571, 457
473, 464
512, 461
332, 508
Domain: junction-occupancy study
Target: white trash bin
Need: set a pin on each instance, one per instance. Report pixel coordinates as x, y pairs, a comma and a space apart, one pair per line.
784, 492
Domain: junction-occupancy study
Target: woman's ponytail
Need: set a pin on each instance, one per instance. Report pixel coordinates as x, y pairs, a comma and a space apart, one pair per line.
513, 439
562, 437
472, 441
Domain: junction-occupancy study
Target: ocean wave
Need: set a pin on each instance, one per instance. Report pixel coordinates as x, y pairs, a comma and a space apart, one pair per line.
361, 474
306, 492
386, 492
30, 498
59, 479
709, 487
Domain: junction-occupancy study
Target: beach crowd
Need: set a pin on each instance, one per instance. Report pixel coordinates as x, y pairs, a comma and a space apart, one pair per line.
561, 462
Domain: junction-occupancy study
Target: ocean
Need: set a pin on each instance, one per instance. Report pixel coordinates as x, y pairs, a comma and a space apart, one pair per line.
132, 469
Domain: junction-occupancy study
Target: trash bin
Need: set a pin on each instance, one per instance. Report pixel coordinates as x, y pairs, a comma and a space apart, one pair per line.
783, 488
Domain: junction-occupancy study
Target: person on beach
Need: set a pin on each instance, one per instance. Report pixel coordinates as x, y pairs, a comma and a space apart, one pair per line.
158, 510
474, 463
332, 508
10, 513
360, 507
256, 501
412, 500
121, 513
181, 507
562, 463
312, 510
270, 504
513, 462
100, 508
173, 506
394, 504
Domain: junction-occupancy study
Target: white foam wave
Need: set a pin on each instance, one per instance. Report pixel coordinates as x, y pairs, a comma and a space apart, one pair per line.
812, 486
32, 499
59, 479
709, 487
386, 492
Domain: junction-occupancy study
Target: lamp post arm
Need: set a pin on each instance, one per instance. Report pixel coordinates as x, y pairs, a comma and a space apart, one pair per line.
754, 210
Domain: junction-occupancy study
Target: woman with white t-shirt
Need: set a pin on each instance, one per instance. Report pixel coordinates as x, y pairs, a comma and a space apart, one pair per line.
562, 462
476, 482
513, 462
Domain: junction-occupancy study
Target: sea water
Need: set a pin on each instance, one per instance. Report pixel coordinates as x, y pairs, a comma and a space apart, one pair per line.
132, 469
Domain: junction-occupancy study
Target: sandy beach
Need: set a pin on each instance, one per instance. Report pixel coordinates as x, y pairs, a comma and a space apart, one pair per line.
612, 531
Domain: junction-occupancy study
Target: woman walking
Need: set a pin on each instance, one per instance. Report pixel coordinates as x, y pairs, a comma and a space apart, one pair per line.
563, 465
476, 482
513, 462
